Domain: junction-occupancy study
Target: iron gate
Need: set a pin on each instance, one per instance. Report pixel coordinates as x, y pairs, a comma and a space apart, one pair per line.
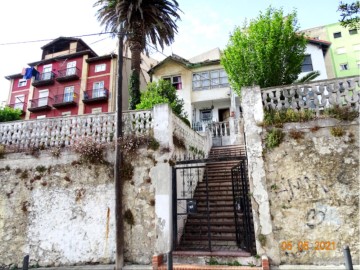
190, 211
242, 207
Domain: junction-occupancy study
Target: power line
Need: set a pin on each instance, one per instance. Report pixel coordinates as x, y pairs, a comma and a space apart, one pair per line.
42, 40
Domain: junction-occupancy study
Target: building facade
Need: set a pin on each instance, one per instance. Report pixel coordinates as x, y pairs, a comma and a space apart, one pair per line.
343, 58
70, 79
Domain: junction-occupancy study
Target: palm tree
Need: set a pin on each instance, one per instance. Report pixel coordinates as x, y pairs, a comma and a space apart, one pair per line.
142, 21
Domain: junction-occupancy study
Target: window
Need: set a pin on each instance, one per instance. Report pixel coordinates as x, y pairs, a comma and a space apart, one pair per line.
353, 31
47, 72
70, 68
43, 98
344, 66
205, 115
22, 82
175, 81
69, 94
19, 102
210, 79
100, 67
98, 90
341, 50
41, 117
337, 35
96, 110
307, 64
66, 113
356, 47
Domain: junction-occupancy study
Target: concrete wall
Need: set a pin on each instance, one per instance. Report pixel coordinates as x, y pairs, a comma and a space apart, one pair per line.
305, 193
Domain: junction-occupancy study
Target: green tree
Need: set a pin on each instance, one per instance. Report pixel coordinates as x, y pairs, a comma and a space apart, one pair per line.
350, 14
162, 92
267, 52
9, 114
142, 21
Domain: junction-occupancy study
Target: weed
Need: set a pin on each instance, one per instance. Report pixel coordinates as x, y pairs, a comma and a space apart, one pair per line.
337, 131
152, 202
55, 152
127, 170
279, 117
40, 168
24, 206
273, 138
314, 129
262, 239
90, 150
35, 151
79, 193
148, 180
172, 162
296, 135
2, 151
153, 144
342, 113
75, 162
129, 217
24, 175
164, 150
212, 261
178, 142
274, 187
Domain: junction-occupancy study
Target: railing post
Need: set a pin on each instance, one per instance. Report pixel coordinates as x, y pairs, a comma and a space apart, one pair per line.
347, 257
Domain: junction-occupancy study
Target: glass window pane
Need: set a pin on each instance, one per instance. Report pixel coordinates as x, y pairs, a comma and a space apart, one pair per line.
214, 74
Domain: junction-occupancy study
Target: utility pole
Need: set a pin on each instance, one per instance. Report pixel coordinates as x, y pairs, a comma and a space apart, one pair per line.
119, 221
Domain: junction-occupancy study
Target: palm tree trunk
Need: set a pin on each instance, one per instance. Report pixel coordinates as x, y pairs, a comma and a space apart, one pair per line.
136, 49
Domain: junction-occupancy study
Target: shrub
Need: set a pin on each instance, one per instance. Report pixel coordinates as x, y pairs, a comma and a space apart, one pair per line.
9, 114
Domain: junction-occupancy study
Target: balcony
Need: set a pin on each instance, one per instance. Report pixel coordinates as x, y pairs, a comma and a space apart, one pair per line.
41, 104
65, 100
46, 78
96, 95
68, 74
19, 105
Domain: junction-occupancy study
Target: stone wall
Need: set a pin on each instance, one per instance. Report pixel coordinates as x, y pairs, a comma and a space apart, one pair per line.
305, 192
313, 187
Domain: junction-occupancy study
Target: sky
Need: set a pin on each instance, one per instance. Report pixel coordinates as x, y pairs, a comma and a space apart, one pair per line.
204, 25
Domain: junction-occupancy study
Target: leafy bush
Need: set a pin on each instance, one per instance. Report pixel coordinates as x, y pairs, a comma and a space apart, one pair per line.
162, 92
9, 114
273, 138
